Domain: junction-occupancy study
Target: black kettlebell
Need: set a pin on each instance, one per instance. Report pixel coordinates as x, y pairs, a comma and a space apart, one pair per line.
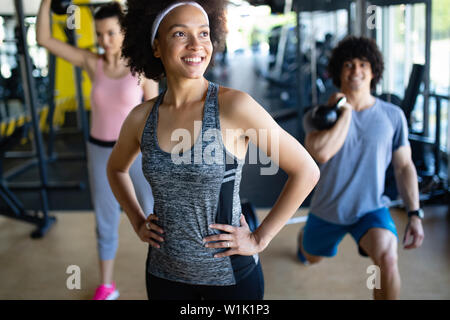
60, 6
324, 117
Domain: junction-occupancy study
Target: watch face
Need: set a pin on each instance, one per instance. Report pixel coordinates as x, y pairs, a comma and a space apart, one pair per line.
421, 214
418, 213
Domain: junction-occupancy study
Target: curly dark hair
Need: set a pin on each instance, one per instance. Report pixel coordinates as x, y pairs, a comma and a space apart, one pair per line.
137, 25
109, 10
353, 47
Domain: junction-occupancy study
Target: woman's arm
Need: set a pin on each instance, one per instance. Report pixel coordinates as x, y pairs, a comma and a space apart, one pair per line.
287, 153
74, 55
122, 157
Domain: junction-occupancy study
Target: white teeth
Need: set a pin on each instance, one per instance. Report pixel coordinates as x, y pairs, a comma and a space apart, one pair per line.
194, 60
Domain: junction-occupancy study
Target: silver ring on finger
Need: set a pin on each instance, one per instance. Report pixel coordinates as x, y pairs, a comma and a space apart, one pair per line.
228, 244
147, 225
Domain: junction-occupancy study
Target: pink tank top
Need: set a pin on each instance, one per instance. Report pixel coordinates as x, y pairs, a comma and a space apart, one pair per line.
111, 101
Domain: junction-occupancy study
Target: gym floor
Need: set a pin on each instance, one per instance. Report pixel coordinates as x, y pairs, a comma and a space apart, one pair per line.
36, 269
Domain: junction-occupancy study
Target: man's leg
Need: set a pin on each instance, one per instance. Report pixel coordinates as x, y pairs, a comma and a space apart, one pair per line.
311, 258
319, 239
381, 246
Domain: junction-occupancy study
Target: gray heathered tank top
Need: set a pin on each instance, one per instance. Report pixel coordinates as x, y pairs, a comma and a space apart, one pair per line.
191, 191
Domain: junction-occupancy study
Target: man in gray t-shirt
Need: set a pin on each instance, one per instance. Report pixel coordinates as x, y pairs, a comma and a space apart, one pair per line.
353, 157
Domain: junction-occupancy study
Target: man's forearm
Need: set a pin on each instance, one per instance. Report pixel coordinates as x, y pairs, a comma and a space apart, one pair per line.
407, 185
323, 145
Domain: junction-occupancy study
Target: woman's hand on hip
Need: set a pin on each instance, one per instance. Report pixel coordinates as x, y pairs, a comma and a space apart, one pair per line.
150, 232
239, 240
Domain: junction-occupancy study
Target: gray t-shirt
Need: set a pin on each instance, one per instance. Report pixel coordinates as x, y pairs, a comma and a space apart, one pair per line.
352, 181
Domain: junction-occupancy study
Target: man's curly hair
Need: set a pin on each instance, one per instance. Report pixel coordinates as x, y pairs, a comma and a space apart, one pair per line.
137, 25
356, 47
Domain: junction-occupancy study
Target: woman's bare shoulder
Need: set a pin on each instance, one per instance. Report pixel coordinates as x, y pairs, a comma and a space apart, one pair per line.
134, 124
141, 112
232, 100
230, 95
236, 104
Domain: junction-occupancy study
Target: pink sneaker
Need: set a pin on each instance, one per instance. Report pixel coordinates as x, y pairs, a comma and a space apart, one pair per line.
105, 292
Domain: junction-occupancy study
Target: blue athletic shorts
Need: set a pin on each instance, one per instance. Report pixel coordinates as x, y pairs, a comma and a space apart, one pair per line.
321, 238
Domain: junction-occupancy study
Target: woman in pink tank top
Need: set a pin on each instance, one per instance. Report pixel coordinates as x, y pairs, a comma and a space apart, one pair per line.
115, 92
112, 99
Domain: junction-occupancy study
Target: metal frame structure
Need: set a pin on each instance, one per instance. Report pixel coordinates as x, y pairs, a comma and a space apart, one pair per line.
312, 6
437, 189
44, 221
361, 29
36, 151
426, 92
359, 7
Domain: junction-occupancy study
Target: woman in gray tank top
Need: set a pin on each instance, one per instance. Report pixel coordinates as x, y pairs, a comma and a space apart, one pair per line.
194, 139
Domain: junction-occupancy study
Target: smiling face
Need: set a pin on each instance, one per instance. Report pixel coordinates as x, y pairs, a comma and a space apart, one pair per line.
109, 35
183, 43
356, 75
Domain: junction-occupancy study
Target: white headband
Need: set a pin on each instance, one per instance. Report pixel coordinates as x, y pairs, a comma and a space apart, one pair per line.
164, 13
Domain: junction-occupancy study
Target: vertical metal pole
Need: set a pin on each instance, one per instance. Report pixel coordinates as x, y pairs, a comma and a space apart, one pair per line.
82, 117
51, 99
365, 32
407, 42
282, 41
371, 32
335, 24
448, 143
349, 18
313, 61
390, 70
51, 104
359, 14
300, 82
31, 101
426, 93
437, 141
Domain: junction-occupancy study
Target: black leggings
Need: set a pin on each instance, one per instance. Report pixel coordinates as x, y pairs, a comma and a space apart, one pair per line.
249, 288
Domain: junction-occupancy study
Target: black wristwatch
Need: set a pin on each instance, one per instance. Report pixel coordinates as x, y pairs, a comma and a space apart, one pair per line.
418, 213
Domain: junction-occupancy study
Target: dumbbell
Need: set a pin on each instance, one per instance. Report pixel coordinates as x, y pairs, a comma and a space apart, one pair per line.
324, 117
60, 6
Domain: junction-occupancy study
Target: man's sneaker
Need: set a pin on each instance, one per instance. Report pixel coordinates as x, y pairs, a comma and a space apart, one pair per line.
300, 256
106, 292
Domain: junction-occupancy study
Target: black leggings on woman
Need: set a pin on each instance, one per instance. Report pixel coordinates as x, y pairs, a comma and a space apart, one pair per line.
249, 288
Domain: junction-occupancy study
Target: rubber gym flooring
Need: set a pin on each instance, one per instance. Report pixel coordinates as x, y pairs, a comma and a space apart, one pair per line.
36, 269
